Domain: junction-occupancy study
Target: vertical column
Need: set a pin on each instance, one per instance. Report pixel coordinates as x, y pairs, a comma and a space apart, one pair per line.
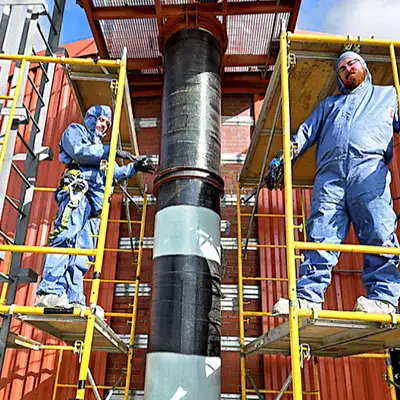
184, 356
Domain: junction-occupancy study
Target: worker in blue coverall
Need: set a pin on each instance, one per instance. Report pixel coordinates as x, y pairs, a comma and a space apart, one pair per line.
354, 135
80, 198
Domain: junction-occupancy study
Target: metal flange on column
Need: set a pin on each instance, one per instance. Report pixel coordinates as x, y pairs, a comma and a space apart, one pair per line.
184, 344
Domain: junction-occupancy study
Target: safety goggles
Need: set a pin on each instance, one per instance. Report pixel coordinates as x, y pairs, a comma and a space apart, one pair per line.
348, 64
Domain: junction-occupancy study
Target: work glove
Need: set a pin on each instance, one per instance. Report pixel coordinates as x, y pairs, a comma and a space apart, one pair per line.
125, 155
274, 177
144, 164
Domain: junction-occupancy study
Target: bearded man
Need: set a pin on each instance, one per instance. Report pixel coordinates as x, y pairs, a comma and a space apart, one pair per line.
354, 135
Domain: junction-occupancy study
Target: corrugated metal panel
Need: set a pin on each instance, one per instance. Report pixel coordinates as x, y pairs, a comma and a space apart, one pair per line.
121, 3
241, 1
251, 33
139, 36
180, 1
242, 69
349, 379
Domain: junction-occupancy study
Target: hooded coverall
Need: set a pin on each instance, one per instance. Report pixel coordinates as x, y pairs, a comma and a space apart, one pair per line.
81, 149
354, 136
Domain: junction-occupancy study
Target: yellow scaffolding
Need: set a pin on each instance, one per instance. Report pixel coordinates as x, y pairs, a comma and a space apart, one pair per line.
295, 314
243, 313
88, 315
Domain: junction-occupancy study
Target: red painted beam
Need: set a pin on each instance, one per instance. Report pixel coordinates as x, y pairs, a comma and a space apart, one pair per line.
243, 89
210, 9
95, 28
234, 60
244, 60
225, 90
144, 63
230, 78
150, 85
293, 16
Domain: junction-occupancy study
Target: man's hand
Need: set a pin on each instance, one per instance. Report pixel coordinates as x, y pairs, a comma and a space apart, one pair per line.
144, 164
273, 179
125, 155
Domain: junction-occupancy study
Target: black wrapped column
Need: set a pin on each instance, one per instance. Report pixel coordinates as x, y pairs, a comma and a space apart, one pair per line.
184, 345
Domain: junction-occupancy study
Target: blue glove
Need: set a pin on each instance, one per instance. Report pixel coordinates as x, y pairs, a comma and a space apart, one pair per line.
274, 177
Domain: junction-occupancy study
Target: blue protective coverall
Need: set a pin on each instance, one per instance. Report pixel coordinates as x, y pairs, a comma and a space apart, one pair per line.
354, 136
82, 150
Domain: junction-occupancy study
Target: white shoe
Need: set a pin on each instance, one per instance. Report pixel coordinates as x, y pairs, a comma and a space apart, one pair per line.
281, 307
99, 309
52, 301
372, 306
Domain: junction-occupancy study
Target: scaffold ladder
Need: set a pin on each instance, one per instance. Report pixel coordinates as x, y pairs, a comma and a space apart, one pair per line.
18, 113
351, 333
43, 317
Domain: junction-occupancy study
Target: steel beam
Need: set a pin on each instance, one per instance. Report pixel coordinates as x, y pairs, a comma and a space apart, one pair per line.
172, 10
293, 16
230, 78
231, 60
95, 28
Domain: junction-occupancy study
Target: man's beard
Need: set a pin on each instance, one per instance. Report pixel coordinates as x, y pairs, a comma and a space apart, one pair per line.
354, 79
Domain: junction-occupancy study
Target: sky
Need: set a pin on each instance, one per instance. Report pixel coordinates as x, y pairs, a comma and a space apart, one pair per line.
349, 17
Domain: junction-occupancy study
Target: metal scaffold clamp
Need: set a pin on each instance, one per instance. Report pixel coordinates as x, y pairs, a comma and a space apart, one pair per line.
78, 349
305, 353
291, 60
114, 86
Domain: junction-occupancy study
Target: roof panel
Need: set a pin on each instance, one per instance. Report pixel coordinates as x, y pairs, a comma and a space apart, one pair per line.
121, 3
178, 1
251, 33
139, 36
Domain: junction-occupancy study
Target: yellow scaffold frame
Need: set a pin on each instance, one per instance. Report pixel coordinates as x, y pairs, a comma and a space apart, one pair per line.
291, 245
243, 313
98, 253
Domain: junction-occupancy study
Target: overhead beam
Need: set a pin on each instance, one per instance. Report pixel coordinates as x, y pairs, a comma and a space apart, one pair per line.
237, 89
95, 28
232, 60
230, 78
209, 9
148, 85
293, 16
144, 63
247, 60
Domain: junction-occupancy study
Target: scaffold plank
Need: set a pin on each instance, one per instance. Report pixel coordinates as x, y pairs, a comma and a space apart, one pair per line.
329, 338
71, 328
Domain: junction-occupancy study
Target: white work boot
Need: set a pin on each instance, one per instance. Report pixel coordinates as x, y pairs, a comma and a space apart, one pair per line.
281, 307
372, 306
99, 309
52, 300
